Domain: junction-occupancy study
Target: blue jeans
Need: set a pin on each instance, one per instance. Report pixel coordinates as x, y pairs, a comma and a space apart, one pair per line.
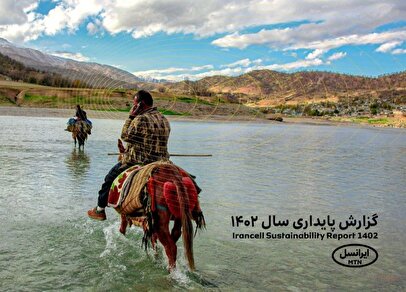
108, 180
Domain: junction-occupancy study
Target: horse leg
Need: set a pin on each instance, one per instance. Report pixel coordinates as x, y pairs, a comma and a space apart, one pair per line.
124, 224
176, 230
166, 239
74, 136
154, 239
154, 244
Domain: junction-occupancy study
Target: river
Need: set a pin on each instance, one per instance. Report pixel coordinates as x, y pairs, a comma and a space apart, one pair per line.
290, 171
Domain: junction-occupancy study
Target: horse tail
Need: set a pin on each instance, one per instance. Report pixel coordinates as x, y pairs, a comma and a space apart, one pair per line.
186, 219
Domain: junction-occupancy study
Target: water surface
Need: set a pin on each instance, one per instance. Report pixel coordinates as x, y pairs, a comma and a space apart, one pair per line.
292, 171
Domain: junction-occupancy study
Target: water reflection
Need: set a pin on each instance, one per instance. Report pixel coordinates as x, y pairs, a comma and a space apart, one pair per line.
78, 163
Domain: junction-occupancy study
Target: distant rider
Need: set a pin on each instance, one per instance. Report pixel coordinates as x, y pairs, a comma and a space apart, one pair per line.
80, 114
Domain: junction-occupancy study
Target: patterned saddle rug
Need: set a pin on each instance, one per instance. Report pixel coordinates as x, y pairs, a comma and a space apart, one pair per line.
128, 190
119, 187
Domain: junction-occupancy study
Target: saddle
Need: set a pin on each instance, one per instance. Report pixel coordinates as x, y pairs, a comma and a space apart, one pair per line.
133, 196
120, 186
85, 124
129, 190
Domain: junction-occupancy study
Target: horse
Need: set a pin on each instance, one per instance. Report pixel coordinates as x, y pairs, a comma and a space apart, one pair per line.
79, 133
173, 197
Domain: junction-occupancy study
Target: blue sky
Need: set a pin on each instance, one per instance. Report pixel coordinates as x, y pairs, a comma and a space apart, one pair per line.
178, 39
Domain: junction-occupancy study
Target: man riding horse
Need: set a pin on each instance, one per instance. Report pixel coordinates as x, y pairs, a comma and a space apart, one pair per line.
146, 132
172, 194
80, 127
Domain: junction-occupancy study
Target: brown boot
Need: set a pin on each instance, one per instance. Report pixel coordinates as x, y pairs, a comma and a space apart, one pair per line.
96, 215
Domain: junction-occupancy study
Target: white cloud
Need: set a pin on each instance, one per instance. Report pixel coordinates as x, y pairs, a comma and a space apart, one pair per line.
387, 47
227, 72
204, 18
243, 63
372, 38
167, 74
91, 28
118, 66
398, 51
337, 56
199, 68
54, 22
155, 72
70, 55
15, 12
279, 38
191, 76
26, 25
290, 66
315, 54
163, 73
257, 61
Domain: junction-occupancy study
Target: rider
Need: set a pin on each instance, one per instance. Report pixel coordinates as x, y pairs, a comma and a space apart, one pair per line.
146, 132
80, 114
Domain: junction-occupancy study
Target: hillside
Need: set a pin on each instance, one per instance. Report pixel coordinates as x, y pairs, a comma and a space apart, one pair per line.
303, 93
267, 85
113, 100
308, 93
13, 70
93, 74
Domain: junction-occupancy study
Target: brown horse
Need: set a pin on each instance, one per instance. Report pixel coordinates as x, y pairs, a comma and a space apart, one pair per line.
172, 199
79, 133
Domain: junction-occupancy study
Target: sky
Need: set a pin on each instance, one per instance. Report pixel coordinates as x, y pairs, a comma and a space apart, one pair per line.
179, 39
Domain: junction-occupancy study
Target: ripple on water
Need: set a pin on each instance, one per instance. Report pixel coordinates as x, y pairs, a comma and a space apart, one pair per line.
291, 172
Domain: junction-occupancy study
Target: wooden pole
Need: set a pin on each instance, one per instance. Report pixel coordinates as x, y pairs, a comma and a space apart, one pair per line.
176, 155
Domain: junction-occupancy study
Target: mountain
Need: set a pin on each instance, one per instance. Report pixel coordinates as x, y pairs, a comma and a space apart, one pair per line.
93, 74
265, 86
11, 69
308, 92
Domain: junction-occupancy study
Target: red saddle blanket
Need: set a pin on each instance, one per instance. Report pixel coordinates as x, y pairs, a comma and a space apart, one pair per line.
128, 188
171, 195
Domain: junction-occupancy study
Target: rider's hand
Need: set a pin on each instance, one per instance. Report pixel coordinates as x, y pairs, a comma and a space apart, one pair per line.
134, 111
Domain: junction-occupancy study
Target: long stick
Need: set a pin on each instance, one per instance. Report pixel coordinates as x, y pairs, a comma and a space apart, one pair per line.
192, 155
178, 155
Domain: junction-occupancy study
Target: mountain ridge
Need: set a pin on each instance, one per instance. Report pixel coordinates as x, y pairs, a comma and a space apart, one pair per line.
92, 73
258, 88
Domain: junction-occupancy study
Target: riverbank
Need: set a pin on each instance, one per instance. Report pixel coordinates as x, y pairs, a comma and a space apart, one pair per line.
118, 115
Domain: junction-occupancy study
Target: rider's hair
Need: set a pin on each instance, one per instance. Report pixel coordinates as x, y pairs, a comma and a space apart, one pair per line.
145, 96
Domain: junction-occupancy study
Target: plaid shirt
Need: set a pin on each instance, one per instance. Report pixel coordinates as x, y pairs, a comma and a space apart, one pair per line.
147, 138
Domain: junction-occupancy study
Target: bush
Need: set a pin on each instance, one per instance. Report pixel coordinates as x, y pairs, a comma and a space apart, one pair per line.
374, 108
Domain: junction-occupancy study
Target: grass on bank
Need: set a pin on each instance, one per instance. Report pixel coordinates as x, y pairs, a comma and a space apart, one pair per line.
51, 101
378, 121
162, 110
193, 100
365, 120
5, 101
92, 102
172, 113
